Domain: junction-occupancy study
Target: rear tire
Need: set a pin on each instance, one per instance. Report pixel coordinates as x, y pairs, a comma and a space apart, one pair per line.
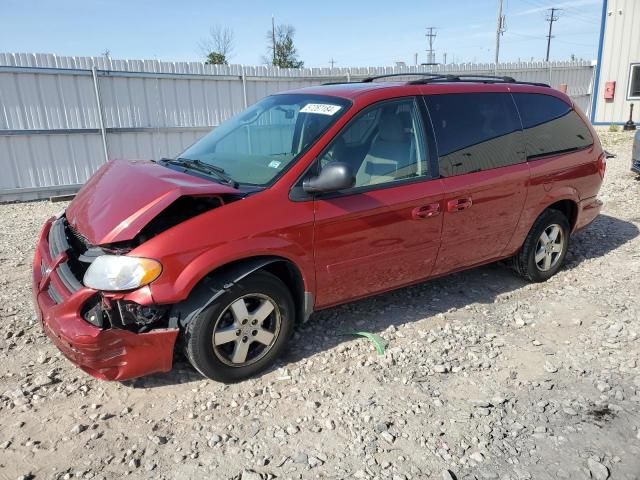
545, 247
243, 331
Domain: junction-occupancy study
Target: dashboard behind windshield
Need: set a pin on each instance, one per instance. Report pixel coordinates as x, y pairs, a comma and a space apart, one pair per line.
255, 146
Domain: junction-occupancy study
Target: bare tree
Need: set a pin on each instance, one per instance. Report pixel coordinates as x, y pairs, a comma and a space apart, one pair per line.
217, 47
286, 54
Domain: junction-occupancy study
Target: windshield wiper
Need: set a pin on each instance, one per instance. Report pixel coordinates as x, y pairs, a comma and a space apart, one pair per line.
199, 165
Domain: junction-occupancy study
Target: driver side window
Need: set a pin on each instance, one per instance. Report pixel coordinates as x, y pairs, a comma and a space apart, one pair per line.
382, 144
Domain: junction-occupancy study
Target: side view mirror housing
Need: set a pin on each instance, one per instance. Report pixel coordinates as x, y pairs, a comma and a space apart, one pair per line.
333, 177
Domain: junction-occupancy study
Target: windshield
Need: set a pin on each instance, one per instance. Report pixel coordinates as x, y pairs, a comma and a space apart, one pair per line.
259, 143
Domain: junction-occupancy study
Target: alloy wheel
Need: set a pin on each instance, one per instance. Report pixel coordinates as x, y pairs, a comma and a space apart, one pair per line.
549, 248
246, 330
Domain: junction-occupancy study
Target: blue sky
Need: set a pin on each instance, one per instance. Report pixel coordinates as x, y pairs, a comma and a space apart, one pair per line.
352, 32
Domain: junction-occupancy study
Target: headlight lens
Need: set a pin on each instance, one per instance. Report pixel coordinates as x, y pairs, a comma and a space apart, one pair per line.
120, 272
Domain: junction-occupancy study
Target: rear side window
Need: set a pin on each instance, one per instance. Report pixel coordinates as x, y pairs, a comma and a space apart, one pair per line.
475, 131
551, 127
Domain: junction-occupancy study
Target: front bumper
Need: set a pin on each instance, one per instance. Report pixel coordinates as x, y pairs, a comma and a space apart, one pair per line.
110, 354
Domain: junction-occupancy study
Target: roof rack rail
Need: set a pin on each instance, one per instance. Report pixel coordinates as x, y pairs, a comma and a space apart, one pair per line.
340, 83
446, 77
462, 78
408, 74
475, 78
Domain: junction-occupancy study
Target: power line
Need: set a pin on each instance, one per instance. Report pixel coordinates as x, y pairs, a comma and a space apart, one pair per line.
552, 17
576, 14
583, 20
534, 3
431, 53
524, 35
575, 43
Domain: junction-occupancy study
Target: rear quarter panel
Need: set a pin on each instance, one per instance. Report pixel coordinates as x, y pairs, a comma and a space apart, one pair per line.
573, 176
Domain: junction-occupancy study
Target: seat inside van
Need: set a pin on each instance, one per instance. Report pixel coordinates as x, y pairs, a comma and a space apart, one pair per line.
391, 154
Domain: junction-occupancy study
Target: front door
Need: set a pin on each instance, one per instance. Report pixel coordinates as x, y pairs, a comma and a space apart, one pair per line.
385, 231
483, 168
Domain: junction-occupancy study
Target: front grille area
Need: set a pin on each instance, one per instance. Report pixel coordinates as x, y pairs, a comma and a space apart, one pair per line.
53, 294
71, 272
77, 238
81, 253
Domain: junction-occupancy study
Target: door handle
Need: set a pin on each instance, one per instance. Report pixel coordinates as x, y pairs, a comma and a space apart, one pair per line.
459, 204
426, 211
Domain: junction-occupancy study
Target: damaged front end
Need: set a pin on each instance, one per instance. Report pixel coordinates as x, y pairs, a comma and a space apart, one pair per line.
92, 296
109, 308
112, 336
105, 312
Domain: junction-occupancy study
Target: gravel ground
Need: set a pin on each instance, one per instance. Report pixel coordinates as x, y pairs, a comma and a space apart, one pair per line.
485, 377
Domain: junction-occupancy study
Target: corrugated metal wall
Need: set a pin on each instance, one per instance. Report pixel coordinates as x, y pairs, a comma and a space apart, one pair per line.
53, 137
620, 49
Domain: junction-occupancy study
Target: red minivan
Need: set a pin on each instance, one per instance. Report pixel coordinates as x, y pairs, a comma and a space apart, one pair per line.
307, 200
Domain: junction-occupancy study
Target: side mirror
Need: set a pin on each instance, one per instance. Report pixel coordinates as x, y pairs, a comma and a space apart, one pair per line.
333, 177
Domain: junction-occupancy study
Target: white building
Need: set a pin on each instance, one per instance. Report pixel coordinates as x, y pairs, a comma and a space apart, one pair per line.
617, 78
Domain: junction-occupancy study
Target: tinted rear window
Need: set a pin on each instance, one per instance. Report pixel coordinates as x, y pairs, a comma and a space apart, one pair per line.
475, 131
550, 125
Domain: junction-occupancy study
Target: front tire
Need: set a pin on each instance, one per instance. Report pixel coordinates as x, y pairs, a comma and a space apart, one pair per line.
243, 331
545, 247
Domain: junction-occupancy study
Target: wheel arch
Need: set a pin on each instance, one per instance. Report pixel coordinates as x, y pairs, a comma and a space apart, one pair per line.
568, 207
564, 198
223, 277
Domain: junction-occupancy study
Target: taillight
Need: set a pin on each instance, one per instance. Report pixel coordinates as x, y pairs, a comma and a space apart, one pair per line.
602, 164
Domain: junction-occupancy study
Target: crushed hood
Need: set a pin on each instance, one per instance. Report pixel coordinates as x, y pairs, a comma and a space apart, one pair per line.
122, 197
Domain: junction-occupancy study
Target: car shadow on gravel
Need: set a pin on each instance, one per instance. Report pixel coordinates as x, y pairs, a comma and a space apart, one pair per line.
605, 234
479, 285
410, 304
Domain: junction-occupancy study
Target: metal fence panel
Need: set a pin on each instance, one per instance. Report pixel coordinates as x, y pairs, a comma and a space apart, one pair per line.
150, 144
50, 116
27, 161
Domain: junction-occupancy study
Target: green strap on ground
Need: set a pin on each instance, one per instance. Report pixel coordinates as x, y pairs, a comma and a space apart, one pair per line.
379, 342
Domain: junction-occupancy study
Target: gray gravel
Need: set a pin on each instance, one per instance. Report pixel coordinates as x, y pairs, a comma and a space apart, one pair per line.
485, 377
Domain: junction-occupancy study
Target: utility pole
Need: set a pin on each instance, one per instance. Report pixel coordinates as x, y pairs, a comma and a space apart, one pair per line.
273, 37
444, 58
499, 31
431, 54
552, 17
332, 62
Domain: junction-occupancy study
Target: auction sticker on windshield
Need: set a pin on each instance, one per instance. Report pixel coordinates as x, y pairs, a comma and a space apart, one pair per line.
321, 108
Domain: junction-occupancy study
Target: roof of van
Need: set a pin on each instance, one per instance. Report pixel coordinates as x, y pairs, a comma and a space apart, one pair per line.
353, 90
